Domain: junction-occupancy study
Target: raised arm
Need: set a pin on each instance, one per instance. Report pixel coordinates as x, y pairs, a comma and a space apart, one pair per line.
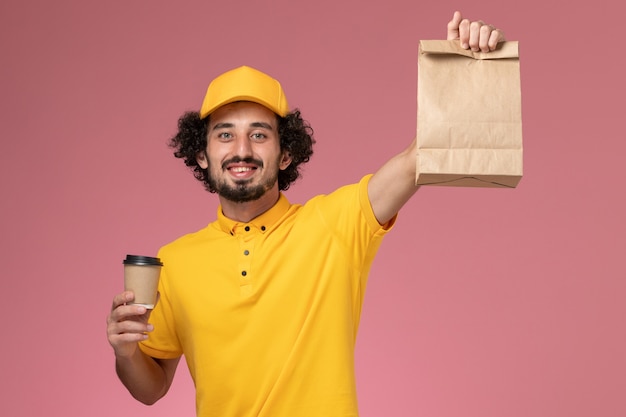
394, 183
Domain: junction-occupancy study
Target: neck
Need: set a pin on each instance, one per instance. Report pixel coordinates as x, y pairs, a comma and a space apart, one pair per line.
244, 212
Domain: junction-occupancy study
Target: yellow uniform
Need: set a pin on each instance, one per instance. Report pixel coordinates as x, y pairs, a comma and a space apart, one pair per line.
266, 312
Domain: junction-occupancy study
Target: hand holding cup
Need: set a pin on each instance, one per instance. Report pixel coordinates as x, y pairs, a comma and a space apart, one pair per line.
127, 323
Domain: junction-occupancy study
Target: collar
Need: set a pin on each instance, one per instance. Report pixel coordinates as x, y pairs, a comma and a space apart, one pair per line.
263, 223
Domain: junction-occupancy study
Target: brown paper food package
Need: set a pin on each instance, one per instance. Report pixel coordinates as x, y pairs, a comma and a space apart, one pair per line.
469, 116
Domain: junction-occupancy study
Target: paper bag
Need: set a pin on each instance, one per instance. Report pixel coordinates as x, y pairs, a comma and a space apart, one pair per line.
469, 116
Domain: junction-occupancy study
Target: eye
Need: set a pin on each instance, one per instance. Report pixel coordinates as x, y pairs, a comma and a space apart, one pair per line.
225, 136
258, 136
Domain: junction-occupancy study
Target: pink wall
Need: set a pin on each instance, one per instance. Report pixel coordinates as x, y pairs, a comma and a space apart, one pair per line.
481, 302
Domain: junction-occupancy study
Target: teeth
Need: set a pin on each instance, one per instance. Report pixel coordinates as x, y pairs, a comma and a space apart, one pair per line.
241, 169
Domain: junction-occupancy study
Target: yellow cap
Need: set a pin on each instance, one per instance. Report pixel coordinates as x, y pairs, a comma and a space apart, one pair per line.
245, 84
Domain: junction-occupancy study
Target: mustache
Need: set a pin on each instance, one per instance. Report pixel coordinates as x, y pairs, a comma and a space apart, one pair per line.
237, 159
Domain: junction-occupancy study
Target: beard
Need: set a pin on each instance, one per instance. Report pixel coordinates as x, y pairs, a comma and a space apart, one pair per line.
242, 191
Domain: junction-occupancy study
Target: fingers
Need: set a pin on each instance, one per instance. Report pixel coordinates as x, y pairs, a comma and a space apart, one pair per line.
474, 35
129, 312
128, 331
121, 310
121, 299
464, 33
496, 36
127, 324
453, 26
475, 32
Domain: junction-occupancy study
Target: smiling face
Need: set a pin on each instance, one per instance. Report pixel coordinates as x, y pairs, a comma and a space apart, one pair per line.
243, 154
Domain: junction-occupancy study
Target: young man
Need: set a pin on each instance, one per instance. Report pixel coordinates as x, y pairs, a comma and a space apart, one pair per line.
265, 301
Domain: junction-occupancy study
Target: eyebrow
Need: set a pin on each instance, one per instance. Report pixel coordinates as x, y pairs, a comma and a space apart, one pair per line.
261, 125
227, 125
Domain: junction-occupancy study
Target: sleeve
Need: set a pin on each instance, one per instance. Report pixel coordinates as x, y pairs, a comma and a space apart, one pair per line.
349, 208
347, 213
366, 208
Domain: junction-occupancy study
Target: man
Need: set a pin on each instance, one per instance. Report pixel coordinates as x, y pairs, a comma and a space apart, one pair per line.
265, 301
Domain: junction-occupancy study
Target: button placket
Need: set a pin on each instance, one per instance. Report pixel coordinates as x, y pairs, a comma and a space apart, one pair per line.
246, 242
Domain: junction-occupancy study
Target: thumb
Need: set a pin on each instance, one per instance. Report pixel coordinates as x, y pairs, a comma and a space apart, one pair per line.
453, 26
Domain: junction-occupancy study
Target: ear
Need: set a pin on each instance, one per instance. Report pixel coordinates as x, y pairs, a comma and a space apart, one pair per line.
201, 159
285, 161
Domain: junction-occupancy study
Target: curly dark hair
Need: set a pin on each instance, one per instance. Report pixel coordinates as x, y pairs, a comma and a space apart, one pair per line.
296, 137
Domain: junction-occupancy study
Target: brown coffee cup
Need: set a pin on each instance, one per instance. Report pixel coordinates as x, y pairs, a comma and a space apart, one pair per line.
141, 276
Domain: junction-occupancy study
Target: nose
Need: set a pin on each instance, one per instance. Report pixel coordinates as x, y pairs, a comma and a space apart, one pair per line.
243, 146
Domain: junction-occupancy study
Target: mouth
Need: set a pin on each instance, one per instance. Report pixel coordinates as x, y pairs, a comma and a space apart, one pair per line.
238, 170
242, 169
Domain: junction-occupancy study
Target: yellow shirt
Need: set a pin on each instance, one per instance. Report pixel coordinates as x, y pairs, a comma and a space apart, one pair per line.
266, 312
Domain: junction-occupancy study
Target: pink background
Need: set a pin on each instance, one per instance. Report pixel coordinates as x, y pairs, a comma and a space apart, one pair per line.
481, 302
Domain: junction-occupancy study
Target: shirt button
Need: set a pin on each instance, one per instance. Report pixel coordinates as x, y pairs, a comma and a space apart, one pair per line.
263, 228
246, 252
244, 273
247, 228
